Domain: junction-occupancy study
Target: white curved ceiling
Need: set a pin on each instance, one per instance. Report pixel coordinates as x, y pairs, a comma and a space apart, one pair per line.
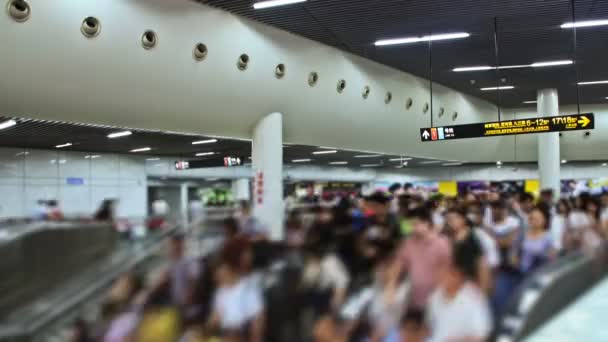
51, 71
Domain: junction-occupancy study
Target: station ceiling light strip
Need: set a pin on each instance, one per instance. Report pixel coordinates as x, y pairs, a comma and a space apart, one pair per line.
325, 152
142, 149
585, 23
533, 65
275, 3
368, 156
399, 159
63, 145
119, 134
203, 154
529, 102
339, 163
201, 142
410, 40
7, 124
301, 160
497, 88
593, 82
371, 165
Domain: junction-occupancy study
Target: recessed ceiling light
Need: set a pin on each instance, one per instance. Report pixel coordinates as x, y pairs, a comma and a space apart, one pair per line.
593, 82
404, 163
63, 145
433, 37
153, 159
517, 66
142, 149
200, 142
499, 163
551, 63
497, 88
564, 161
529, 102
7, 124
473, 68
301, 160
585, 23
371, 165
338, 163
119, 134
274, 3
368, 156
604, 164
202, 154
95, 156
399, 159
325, 152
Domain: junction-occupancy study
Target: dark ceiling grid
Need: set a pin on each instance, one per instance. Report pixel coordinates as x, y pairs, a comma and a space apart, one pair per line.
528, 32
46, 134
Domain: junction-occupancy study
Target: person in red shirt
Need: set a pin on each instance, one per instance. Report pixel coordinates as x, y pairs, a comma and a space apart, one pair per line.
425, 255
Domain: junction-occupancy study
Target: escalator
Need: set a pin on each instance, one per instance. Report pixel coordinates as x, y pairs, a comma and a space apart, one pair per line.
547, 292
59, 271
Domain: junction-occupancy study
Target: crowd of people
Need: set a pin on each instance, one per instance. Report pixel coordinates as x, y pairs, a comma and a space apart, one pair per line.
391, 266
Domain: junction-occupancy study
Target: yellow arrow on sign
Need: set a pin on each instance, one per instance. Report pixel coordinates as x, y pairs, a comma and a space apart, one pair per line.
584, 121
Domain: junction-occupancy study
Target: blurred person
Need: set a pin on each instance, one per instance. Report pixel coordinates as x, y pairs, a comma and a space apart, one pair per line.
251, 227
383, 226
295, 233
458, 309
121, 310
106, 211
507, 231
604, 214
395, 190
326, 276
180, 276
197, 212
464, 236
160, 208
583, 225
438, 208
40, 212
592, 237
559, 224
238, 306
537, 246
230, 227
159, 214
413, 327
79, 331
488, 243
54, 212
389, 298
546, 198
424, 256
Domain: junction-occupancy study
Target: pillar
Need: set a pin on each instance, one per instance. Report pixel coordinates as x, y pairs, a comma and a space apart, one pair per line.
548, 143
183, 204
267, 164
240, 188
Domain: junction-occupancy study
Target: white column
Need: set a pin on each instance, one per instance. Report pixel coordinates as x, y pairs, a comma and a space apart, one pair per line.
183, 205
240, 188
548, 143
267, 160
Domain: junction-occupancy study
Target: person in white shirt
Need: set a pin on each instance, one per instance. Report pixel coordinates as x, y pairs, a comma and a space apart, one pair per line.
458, 310
238, 305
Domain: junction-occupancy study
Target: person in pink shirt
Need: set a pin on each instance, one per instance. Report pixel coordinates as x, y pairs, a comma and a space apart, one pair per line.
425, 255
